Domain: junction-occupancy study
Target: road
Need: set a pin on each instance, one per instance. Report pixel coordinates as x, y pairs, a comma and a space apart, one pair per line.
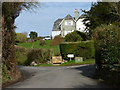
59, 77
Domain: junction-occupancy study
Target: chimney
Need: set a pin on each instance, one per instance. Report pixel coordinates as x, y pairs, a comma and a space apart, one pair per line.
76, 12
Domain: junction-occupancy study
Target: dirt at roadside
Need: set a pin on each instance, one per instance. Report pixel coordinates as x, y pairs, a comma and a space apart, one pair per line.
24, 75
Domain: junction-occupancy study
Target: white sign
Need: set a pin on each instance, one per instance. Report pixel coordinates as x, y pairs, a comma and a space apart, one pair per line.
70, 55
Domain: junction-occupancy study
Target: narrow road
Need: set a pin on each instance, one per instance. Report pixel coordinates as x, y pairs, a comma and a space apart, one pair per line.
59, 77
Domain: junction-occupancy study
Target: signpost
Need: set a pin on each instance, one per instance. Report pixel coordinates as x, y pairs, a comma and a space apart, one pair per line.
70, 56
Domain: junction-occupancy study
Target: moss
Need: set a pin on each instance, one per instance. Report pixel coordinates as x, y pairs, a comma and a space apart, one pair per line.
5, 74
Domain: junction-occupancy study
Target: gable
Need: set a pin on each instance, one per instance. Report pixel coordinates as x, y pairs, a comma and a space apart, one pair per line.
56, 26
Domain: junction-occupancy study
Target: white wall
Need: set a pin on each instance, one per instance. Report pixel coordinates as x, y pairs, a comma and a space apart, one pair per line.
68, 22
80, 26
55, 33
67, 32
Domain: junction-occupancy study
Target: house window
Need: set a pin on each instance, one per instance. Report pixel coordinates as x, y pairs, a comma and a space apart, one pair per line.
68, 22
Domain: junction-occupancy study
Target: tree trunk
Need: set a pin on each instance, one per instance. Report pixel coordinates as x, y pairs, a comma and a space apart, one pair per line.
8, 49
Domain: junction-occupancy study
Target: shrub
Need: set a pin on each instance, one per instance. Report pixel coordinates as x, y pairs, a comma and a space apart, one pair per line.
39, 56
21, 55
76, 36
42, 42
111, 77
21, 37
57, 40
83, 49
73, 37
38, 38
58, 54
107, 45
21, 49
26, 56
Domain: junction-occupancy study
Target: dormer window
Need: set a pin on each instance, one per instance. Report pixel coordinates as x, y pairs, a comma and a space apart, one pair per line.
68, 22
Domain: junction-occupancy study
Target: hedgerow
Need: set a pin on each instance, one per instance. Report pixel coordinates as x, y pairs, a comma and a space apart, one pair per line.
83, 49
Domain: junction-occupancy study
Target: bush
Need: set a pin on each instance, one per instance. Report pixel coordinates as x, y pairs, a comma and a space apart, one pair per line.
38, 38
73, 37
26, 56
58, 54
21, 37
111, 77
57, 40
21, 49
21, 55
83, 49
38, 56
42, 42
76, 36
107, 45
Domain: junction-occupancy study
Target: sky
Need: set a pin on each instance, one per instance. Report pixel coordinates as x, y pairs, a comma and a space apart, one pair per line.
41, 20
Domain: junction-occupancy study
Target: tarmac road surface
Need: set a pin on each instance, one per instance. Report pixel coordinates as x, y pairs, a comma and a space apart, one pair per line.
81, 76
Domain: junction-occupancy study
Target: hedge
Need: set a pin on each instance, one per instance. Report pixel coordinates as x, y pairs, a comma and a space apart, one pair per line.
107, 45
83, 49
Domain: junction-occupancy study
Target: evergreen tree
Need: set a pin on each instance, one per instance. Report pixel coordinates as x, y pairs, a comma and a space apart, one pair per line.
101, 13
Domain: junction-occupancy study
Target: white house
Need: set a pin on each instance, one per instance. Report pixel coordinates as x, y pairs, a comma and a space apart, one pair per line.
56, 28
80, 25
68, 24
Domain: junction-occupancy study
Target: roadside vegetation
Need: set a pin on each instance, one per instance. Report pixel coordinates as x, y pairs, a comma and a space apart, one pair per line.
70, 63
34, 51
73, 62
83, 49
36, 44
104, 28
10, 11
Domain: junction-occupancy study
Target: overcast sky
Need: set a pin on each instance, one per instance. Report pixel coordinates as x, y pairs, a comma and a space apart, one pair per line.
43, 18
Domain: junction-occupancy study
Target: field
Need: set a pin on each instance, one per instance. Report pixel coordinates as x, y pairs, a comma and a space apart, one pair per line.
36, 45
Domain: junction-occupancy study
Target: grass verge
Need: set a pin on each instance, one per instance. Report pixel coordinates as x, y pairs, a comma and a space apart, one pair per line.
71, 63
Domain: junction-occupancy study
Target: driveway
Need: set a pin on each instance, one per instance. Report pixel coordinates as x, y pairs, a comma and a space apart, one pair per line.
80, 76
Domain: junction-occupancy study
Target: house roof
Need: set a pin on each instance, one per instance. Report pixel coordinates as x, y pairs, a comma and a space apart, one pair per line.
68, 17
81, 17
56, 26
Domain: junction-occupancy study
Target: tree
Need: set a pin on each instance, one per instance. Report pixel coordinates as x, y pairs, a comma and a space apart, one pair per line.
33, 35
10, 11
101, 13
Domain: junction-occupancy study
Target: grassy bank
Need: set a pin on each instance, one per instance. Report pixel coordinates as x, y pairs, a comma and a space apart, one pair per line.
22, 55
35, 44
